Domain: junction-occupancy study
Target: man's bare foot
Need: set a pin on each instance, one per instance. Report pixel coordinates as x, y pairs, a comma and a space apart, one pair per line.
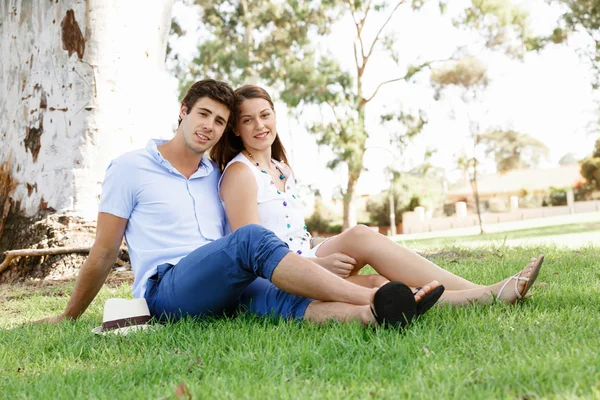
515, 288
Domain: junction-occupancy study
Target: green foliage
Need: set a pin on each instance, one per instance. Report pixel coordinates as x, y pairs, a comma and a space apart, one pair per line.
334, 228
583, 191
468, 73
275, 43
557, 196
321, 218
410, 190
590, 167
247, 40
414, 202
582, 15
403, 126
513, 150
378, 208
503, 24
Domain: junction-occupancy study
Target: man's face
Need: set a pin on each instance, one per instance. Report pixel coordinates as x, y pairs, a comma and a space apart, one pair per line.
204, 125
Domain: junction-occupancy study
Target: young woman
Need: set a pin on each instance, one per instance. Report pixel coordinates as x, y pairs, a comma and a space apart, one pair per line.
258, 187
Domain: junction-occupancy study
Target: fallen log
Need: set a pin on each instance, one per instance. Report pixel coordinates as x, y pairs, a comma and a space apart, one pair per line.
12, 254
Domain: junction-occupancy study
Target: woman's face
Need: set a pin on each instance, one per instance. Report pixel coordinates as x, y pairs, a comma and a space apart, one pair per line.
256, 125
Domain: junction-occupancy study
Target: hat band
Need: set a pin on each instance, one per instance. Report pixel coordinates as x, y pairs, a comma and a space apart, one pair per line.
121, 323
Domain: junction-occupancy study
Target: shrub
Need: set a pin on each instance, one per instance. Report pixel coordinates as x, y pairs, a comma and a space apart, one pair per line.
378, 208
320, 219
334, 228
583, 191
317, 222
558, 196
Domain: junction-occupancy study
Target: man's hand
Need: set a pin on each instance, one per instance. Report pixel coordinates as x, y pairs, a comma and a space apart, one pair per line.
51, 320
338, 263
95, 269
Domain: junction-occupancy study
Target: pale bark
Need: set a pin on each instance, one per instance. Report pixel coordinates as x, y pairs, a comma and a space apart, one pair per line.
81, 82
349, 203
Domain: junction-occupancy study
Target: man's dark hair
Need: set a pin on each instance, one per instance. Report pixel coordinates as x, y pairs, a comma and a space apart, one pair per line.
214, 90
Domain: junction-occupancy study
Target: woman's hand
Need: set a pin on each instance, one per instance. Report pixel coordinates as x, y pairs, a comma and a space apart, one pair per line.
337, 263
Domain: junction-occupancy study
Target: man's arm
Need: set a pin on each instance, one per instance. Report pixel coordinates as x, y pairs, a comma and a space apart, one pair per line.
109, 235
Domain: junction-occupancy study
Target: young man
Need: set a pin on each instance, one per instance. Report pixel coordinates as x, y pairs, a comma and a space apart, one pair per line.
164, 200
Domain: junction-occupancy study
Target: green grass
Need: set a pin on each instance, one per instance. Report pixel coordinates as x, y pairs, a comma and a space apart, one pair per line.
496, 238
545, 347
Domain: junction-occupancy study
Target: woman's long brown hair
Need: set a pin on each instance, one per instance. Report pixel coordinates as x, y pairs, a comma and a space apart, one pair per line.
230, 145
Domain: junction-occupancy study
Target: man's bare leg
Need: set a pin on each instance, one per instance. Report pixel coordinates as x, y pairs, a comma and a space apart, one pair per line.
369, 281
297, 275
323, 311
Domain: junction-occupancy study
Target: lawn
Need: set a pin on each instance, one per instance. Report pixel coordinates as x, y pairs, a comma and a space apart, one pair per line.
545, 347
574, 235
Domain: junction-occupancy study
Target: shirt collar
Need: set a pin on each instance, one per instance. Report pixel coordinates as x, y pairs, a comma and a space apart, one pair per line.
204, 169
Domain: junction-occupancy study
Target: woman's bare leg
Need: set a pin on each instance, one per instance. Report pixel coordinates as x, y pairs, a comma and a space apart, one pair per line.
487, 294
391, 260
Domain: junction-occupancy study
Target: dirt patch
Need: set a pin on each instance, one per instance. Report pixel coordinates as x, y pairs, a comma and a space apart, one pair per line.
54, 230
456, 254
56, 287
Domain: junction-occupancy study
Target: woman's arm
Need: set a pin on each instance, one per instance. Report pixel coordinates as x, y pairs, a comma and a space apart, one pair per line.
239, 193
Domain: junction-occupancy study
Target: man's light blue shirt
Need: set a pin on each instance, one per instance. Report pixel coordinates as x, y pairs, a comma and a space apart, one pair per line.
169, 216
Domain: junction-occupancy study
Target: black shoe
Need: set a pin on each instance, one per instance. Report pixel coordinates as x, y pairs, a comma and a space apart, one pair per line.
429, 299
394, 305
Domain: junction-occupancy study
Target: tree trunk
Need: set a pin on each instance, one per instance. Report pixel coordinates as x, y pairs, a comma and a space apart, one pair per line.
249, 43
355, 166
82, 82
476, 195
349, 197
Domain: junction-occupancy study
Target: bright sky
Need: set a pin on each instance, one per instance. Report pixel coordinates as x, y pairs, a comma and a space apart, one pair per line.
547, 96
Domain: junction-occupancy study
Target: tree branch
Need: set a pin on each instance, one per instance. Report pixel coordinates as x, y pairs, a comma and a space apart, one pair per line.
409, 74
382, 28
358, 26
339, 121
362, 24
362, 21
356, 54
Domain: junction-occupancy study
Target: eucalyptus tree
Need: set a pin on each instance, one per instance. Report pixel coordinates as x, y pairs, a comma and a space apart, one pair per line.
469, 75
75, 93
275, 43
513, 150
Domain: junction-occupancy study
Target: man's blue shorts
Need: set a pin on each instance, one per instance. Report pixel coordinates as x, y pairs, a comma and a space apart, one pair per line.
224, 275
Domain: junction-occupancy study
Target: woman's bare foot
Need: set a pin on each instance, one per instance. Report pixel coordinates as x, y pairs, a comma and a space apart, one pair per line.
424, 290
515, 288
509, 290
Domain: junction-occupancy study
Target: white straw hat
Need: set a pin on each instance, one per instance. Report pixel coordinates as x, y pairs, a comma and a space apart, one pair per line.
122, 316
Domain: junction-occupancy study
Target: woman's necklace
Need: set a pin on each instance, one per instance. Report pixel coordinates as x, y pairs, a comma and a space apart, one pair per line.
264, 171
